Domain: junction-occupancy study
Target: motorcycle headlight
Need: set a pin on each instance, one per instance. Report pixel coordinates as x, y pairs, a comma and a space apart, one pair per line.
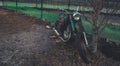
76, 16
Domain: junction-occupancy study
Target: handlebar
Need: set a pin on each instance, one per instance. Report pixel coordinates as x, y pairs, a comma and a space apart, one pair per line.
66, 11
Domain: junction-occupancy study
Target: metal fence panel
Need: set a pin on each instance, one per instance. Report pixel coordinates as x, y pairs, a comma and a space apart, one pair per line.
48, 4
24, 3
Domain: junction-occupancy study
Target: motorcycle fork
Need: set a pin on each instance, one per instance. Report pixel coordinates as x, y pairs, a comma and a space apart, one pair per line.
72, 24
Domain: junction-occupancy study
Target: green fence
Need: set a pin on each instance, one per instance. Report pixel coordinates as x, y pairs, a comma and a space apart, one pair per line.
44, 8
53, 4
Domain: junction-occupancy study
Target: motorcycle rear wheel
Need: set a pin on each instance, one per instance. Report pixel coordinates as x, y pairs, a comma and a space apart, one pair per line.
67, 35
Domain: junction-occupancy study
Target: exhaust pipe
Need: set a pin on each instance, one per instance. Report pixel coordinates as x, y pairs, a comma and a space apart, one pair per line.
58, 34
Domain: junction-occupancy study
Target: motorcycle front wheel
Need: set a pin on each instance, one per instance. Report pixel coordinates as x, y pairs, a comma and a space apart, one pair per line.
81, 45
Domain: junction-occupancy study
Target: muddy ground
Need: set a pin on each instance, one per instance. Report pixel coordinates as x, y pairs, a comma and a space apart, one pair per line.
24, 41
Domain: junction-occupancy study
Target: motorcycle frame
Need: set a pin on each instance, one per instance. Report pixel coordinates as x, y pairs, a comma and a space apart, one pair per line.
72, 23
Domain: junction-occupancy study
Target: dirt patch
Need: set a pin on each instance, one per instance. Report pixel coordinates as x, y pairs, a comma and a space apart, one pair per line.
13, 22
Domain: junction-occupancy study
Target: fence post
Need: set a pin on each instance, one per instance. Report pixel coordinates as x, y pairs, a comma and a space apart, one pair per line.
3, 3
16, 5
41, 8
36, 3
68, 4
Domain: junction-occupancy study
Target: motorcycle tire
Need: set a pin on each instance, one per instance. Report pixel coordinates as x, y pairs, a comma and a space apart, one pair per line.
70, 38
81, 46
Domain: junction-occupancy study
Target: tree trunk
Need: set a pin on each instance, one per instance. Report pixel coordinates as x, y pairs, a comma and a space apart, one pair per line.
94, 43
